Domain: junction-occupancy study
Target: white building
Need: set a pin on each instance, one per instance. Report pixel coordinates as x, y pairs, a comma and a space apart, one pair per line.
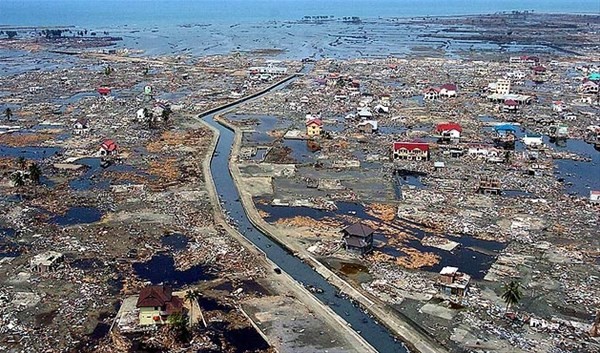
533, 140
503, 86
269, 69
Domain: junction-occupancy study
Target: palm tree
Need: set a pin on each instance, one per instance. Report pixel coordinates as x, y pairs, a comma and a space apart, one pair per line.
512, 294
191, 296
166, 114
8, 113
35, 173
17, 179
177, 323
21, 162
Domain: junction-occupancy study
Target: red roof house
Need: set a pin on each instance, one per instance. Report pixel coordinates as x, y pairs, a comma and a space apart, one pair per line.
449, 130
316, 122
538, 69
411, 150
156, 303
108, 147
104, 91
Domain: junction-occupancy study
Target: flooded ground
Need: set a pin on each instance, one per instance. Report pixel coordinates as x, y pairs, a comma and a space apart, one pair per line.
474, 256
175, 241
161, 269
31, 152
78, 215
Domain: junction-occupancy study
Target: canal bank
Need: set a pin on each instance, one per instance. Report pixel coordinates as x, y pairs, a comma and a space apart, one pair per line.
353, 320
290, 285
415, 338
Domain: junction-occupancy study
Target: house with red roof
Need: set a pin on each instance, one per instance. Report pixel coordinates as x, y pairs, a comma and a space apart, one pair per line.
105, 91
538, 70
156, 304
588, 86
314, 127
108, 147
448, 90
449, 130
510, 106
431, 93
412, 151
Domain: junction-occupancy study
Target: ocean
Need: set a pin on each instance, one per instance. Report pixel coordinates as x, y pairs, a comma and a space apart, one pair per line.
109, 13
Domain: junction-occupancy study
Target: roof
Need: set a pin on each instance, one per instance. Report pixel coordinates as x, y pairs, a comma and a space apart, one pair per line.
538, 68
356, 242
448, 127
154, 296
82, 121
373, 123
505, 127
104, 90
108, 145
448, 87
358, 230
174, 306
364, 112
317, 122
511, 103
411, 146
448, 270
431, 89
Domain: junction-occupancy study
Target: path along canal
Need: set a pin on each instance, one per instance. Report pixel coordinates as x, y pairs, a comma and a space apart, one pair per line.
377, 335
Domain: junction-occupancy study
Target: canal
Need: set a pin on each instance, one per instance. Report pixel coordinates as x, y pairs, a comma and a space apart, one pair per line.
378, 336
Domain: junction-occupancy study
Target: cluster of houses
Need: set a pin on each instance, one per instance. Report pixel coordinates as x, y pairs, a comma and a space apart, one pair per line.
446, 90
267, 72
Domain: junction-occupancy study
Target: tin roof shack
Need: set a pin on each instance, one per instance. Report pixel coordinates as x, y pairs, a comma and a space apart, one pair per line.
358, 238
156, 304
453, 283
489, 185
46, 262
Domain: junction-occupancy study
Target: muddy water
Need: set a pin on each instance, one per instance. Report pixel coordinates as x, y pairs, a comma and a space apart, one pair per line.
376, 335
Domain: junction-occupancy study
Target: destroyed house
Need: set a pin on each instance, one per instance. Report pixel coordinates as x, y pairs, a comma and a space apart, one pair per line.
452, 282
46, 262
358, 238
489, 185
411, 151
156, 304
